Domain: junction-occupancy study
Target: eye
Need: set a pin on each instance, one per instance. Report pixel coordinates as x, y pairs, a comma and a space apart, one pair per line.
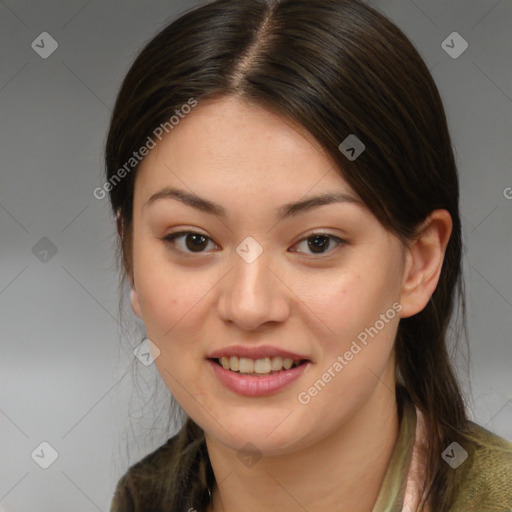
194, 242
320, 242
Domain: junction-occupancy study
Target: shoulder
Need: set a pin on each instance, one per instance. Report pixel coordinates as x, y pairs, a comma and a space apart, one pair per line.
486, 473
146, 482
131, 494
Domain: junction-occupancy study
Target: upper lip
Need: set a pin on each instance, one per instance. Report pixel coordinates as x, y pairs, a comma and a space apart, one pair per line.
260, 352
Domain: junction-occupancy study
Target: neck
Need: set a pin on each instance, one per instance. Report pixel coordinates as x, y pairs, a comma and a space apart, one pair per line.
342, 472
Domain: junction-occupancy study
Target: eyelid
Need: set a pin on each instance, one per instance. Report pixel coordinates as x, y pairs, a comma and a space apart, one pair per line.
170, 237
319, 232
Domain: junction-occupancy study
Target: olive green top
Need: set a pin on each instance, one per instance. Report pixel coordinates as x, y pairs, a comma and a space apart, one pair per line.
485, 483
486, 471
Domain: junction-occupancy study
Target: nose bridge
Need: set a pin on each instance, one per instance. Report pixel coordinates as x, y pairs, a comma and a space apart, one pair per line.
252, 294
250, 277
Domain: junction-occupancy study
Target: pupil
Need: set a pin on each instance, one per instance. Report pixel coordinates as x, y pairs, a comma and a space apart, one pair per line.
318, 245
196, 244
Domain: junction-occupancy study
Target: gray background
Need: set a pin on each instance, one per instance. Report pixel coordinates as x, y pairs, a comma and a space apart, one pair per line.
68, 374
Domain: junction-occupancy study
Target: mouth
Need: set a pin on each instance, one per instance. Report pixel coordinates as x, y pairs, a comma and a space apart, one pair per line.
258, 367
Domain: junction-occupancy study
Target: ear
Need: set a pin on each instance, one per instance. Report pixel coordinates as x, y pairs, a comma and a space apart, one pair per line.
423, 262
134, 298
134, 301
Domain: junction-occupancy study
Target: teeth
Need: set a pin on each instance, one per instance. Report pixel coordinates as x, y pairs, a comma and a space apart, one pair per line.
262, 365
276, 363
233, 363
287, 363
258, 366
245, 365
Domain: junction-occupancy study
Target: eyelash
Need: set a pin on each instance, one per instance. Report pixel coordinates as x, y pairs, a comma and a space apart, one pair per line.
169, 240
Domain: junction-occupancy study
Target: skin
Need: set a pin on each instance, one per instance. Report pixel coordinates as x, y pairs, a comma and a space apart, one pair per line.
332, 453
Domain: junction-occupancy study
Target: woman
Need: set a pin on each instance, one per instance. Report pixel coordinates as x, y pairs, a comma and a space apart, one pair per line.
287, 205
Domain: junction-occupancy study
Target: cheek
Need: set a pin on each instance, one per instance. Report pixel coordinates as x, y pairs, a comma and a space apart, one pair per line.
166, 294
346, 314
174, 302
356, 352
171, 305
168, 306
347, 302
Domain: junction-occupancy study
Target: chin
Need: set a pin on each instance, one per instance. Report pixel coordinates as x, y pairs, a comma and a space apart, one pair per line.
269, 434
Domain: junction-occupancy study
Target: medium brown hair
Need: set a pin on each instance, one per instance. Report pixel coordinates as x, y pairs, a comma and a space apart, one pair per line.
335, 67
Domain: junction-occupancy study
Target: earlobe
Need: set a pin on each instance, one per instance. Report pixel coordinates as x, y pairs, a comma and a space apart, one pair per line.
134, 300
424, 261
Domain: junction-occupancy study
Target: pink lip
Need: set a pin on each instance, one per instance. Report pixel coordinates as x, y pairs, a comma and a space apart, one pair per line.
254, 352
248, 385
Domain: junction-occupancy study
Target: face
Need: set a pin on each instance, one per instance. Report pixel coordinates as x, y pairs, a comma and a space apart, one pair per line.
321, 284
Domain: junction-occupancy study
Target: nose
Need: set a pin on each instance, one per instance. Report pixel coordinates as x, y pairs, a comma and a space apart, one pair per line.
254, 294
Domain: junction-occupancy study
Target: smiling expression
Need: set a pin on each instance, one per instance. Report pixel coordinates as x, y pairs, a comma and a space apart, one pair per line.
233, 173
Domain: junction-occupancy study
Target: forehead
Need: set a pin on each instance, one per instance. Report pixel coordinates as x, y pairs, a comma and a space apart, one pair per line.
227, 147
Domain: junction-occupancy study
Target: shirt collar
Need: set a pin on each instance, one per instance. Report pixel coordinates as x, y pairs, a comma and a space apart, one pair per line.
392, 491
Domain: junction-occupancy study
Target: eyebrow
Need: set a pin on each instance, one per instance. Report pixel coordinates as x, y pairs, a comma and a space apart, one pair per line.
287, 210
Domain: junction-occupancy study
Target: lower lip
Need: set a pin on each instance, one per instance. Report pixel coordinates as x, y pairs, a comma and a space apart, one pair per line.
248, 385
